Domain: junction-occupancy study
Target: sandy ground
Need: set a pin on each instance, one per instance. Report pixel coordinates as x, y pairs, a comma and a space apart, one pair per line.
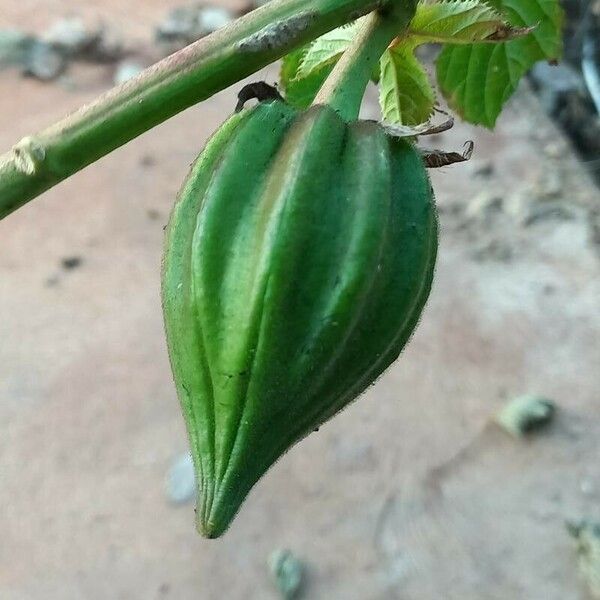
410, 493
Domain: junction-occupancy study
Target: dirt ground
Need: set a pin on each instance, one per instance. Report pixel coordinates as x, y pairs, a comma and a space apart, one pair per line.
409, 494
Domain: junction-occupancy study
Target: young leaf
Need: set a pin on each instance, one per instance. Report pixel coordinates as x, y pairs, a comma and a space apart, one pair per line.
326, 50
300, 92
405, 94
477, 79
304, 71
458, 21
290, 65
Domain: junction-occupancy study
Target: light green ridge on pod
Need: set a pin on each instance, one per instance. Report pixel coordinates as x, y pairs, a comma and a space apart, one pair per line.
298, 258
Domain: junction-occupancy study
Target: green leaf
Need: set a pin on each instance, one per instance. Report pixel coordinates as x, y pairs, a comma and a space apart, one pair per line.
326, 50
304, 71
300, 92
457, 21
290, 65
405, 94
477, 79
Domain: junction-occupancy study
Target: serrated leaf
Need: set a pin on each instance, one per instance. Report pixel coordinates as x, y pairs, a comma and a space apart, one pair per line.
458, 21
405, 93
300, 92
304, 71
544, 16
290, 65
327, 49
477, 79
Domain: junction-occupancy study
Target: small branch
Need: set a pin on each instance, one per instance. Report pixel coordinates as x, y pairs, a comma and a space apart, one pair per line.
185, 78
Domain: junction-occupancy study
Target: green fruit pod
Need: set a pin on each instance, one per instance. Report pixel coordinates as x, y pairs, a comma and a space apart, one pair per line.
298, 258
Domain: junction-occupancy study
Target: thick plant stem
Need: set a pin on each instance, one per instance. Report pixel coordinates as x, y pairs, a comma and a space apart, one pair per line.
40, 161
345, 87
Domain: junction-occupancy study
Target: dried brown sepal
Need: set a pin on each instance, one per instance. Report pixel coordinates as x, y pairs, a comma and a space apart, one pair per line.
435, 159
403, 131
507, 32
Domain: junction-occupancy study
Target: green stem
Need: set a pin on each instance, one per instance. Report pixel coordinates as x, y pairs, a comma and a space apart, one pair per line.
40, 161
345, 87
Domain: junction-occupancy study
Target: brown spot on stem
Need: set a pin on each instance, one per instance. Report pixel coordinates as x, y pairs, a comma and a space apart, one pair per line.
279, 34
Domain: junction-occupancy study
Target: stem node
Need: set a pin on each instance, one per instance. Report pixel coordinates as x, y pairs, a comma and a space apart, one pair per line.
28, 156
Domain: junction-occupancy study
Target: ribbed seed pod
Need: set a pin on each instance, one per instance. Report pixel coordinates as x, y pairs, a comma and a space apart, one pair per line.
298, 259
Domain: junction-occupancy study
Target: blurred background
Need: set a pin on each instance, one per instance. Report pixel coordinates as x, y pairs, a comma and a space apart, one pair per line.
419, 490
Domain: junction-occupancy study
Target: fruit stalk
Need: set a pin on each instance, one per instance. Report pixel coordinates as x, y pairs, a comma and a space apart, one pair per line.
345, 87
